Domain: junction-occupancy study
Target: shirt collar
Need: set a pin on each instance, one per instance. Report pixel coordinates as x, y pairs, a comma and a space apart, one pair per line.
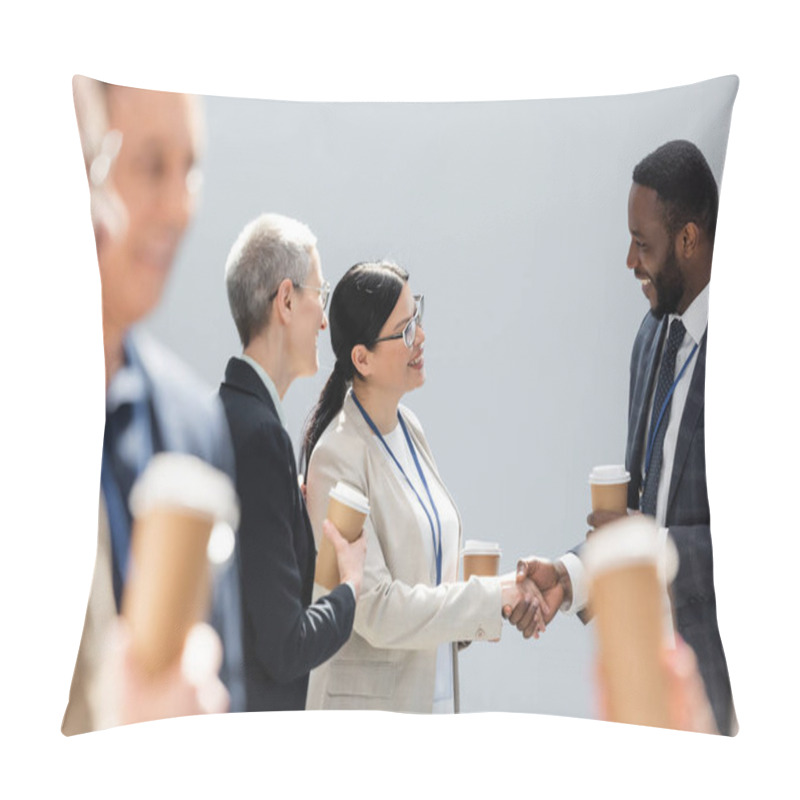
129, 384
695, 318
269, 383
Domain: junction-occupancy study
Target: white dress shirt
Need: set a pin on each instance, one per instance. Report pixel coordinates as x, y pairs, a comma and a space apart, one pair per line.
695, 320
443, 696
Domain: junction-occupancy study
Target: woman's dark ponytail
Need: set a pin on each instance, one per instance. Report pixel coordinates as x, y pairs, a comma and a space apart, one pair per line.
360, 305
328, 406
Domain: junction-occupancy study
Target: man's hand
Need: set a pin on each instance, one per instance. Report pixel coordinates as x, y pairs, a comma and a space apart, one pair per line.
524, 605
690, 709
688, 705
552, 580
597, 519
189, 686
349, 557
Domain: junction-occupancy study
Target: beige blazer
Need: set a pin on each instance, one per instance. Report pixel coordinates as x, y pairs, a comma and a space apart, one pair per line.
389, 662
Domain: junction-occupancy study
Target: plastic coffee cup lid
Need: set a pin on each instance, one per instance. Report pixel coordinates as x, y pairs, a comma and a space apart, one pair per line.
350, 496
182, 481
475, 547
609, 473
632, 540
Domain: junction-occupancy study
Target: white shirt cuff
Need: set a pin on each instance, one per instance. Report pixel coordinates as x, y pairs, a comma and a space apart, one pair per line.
352, 588
577, 576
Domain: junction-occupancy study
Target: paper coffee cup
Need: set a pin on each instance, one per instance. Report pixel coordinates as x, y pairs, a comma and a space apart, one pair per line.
628, 567
609, 484
175, 503
347, 510
480, 558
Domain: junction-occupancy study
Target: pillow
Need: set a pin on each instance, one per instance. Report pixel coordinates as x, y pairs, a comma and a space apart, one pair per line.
512, 219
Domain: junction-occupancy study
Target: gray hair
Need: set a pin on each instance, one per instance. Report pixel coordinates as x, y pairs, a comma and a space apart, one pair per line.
270, 249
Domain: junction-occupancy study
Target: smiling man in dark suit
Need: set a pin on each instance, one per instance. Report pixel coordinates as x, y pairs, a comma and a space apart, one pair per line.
672, 216
278, 297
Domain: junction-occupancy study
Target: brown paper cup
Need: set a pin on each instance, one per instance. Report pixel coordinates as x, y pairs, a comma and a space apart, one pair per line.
609, 485
167, 586
175, 504
347, 510
480, 558
627, 598
484, 564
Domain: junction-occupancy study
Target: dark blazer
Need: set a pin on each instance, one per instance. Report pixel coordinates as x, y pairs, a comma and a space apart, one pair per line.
687, 514
284, 636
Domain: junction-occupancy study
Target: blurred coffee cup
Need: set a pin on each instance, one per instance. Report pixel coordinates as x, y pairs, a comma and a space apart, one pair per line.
629, 566
175, 504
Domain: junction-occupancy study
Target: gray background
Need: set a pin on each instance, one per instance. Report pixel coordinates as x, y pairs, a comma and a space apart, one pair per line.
511, 218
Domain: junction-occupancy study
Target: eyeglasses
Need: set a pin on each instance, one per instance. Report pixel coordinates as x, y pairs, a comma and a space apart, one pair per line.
324, 292
409, 333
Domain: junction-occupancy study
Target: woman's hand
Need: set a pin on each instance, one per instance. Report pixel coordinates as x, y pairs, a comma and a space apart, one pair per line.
524, 605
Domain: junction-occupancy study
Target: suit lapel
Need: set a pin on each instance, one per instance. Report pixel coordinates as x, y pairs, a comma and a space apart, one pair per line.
691, 415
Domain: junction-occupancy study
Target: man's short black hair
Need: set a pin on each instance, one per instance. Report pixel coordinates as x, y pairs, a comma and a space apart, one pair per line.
680, 175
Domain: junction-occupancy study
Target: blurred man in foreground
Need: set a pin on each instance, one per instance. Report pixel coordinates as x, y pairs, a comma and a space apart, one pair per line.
140, 149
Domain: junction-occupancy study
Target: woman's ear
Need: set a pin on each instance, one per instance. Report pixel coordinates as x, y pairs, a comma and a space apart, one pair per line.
362, 360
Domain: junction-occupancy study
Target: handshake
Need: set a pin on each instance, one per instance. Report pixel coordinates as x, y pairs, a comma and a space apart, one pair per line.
541, 587
533, 595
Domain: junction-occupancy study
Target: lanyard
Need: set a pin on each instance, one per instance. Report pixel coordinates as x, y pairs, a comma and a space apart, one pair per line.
437, 550
654, 432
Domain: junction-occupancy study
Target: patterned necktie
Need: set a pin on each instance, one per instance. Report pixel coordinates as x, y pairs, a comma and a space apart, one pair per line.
666, 376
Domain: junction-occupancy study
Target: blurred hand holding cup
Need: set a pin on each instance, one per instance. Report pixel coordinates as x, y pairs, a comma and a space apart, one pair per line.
629, 567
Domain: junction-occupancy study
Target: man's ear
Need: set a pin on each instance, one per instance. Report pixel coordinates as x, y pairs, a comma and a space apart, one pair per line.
362, 360
688, 240
282, 303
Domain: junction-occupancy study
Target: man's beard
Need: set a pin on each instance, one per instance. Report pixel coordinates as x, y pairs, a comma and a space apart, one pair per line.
670, 286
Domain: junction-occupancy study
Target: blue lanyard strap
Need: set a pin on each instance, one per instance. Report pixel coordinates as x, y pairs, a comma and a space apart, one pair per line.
654, 432
437, 547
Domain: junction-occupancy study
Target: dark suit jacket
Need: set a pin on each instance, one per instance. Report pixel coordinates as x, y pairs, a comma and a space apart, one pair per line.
187, 418
284, 635
687, 513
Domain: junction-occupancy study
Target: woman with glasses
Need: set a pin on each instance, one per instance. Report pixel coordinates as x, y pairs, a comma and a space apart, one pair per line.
401, 655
